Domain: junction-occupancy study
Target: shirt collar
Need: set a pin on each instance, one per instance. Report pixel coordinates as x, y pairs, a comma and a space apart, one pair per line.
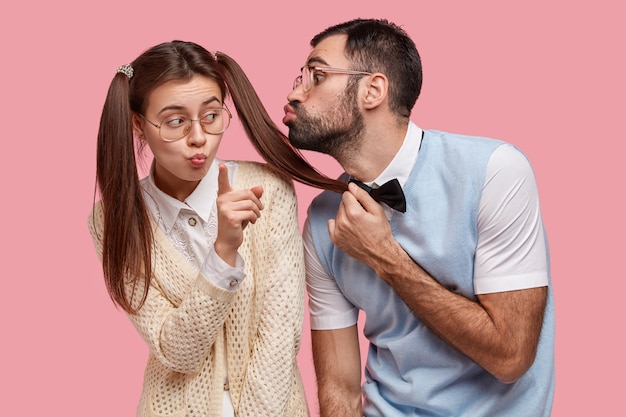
200, 201
401, 165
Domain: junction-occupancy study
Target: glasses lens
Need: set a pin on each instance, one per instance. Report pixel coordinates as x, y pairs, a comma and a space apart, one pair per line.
297, 82
174, 127
303, 79
307, 78
213, 122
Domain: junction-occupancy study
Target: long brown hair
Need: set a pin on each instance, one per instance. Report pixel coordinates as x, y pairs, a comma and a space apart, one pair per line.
127, 233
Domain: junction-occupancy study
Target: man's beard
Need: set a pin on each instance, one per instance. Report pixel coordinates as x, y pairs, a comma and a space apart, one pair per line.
335, 133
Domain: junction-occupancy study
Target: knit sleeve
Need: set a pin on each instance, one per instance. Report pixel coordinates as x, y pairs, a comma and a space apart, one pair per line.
183, 313
270, 387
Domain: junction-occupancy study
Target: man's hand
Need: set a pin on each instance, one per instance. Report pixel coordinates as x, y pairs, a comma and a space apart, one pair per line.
360, 226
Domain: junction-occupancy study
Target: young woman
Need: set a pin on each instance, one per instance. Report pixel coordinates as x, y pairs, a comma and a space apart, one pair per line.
214, 288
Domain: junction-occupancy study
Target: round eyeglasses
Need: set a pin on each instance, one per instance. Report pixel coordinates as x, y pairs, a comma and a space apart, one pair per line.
176, 126
312, 75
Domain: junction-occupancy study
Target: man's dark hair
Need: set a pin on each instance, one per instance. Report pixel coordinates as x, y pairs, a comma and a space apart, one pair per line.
377, 45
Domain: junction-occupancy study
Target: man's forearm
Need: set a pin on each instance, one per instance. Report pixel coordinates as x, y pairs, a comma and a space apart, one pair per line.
334, 404
337, 361
499, 332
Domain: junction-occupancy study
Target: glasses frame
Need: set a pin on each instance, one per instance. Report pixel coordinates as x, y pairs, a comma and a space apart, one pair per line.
158, 125
330, 70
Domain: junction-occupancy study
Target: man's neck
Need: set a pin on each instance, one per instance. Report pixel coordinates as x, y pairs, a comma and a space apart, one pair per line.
374, 152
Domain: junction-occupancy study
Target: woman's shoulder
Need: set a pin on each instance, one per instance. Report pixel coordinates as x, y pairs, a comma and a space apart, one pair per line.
95, 221
252, 173
252, 167
96, 213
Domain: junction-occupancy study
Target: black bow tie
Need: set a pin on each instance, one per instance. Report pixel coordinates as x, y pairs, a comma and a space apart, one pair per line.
389, 193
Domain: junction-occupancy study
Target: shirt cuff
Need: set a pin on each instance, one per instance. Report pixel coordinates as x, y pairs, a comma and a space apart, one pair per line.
488, 285
222, 274
333, 322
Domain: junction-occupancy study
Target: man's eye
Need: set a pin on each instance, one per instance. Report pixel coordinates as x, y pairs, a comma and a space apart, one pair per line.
318, 77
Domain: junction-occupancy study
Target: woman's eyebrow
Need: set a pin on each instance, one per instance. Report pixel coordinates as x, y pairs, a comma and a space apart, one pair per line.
182, 107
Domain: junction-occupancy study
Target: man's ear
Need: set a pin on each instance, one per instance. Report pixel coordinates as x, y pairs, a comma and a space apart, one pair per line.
377, 89
138, 126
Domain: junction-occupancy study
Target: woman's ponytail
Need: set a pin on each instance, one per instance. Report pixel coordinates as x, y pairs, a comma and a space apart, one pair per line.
127, 234
269, 141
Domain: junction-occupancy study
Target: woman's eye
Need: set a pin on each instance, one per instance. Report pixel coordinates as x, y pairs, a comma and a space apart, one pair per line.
175, 121
209, 117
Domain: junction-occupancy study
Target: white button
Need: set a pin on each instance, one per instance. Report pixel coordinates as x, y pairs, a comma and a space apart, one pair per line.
192, 222
233, 282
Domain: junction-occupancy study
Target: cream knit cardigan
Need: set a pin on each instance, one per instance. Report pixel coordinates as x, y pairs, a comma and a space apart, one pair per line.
186, 320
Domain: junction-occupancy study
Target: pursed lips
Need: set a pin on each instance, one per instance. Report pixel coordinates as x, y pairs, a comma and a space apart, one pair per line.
198, 159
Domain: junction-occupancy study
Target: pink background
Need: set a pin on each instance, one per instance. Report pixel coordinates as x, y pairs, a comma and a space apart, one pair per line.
547, 76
